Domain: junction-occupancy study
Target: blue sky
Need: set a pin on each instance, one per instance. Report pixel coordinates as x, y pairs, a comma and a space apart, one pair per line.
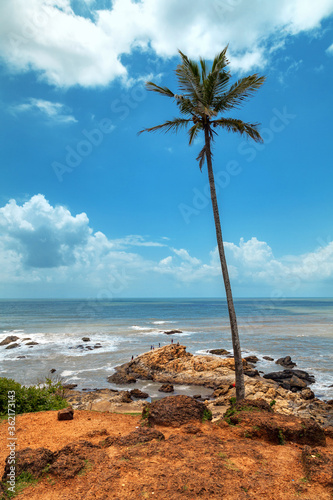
90, 209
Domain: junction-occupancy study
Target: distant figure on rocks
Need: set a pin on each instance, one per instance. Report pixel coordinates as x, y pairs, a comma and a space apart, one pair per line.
151, 347
132, 358
178, 342
159, 344
171, 341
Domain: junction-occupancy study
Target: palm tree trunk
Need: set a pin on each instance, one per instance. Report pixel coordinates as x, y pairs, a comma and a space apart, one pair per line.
239, 374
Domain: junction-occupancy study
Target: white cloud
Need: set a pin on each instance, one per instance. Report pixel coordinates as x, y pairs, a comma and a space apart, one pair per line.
67, 49
44, 247
330, 49
54, 111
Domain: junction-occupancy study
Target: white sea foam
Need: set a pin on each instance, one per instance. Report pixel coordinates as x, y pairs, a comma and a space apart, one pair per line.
160, 322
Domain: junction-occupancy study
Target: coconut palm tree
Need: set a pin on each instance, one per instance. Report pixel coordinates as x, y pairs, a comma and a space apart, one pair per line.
204, 98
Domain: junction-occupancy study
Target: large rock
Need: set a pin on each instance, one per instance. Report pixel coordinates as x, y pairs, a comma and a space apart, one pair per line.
121, 377
251, 359
285, 362
291, 379
166, 388
171, 332
136, 393
175, 411
219, 352
66, 414
12, 346
9, 339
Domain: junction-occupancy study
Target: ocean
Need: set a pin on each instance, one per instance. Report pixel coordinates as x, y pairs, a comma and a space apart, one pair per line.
300, 328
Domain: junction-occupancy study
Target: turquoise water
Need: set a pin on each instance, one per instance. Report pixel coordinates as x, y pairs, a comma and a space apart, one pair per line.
301, 328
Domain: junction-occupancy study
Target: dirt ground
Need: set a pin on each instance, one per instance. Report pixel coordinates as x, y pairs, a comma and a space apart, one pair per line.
204, 461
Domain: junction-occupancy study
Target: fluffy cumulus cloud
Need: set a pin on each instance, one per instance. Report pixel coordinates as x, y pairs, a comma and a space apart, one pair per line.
44, 247
69, 48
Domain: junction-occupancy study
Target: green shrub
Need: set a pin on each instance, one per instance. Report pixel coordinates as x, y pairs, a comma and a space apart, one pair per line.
31, 399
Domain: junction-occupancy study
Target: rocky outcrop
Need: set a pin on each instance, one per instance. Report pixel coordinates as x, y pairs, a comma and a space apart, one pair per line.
294, 380
173, 365
175, 411
318, 466
136, 393
171, 332
9, 339
12, 346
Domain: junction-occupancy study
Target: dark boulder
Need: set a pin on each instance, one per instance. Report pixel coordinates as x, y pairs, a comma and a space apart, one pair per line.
85, 339
252, 359
268, 358
32, 343
219, 352
9, 339
53, 370
166, 388
66, 414
171, 332
69, 386
12, 346
251, 372
297, 382
136, 393
175, 411
285, 362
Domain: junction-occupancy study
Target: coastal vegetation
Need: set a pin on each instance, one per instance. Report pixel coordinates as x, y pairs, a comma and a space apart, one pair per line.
205, 96
43, 397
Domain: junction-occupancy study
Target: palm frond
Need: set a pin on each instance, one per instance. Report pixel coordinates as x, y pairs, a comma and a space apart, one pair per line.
220, 61
218, 78
202, 156
170, 125
188, 75
203, 69
240, 127
193, 132
161, 90
239, 93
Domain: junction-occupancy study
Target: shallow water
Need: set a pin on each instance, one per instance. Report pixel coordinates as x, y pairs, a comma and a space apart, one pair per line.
301, 328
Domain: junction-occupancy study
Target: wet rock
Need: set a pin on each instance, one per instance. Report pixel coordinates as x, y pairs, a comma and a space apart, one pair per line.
53, 370
171, 332
21, 357
197, 396
32, 343
219, 352
26, 338
85, 339
12, 346
66, 414
9, 339
268, 358
285, 362
251, 359
30, 461
175, 411
136, 393
141, 435
97, 346
166, 388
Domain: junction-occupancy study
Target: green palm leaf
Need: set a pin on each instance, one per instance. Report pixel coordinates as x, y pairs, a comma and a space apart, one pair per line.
240, 127
161, 90
238, 93
170, 125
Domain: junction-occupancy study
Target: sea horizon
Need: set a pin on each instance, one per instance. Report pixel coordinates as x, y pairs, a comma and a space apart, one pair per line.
125, 327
